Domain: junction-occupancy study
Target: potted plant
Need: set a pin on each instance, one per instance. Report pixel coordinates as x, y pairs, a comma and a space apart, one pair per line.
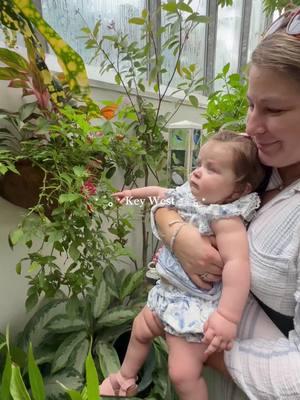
50, 93
55, 139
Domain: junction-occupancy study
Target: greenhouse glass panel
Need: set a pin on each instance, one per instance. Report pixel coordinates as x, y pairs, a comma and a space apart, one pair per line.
228, 36
194, 51
62, 15
257, 25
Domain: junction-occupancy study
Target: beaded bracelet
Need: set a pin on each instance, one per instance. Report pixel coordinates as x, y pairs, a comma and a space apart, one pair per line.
173, 238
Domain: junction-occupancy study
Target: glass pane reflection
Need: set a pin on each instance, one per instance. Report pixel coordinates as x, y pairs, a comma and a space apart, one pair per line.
257, 25
194, 50
228, 36
62, 16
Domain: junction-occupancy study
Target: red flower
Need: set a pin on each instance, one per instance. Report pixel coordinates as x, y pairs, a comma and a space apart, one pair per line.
88, 189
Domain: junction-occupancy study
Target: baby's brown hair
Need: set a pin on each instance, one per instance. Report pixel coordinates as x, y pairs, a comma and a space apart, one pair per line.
247, 166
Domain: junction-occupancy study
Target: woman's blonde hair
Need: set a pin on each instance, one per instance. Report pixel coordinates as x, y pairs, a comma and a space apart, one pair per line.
280, 52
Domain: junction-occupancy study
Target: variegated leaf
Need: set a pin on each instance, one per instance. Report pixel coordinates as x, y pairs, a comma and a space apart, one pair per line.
64, 324
132, 282
108, 358
101, 300
116, 316
65, 350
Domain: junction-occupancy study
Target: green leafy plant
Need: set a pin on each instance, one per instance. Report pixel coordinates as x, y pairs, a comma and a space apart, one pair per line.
74, 202
25, 382
279, 5
224, 3
7, 162
129, 63
19, 126
61, 331
68, 155
227, 107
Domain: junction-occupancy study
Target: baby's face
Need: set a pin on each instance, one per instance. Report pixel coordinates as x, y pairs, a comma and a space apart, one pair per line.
213, 180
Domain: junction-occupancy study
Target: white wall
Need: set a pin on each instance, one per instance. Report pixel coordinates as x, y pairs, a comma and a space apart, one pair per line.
12, 286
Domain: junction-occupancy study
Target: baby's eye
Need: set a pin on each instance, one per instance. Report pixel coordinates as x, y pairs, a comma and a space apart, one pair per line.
212, 170
274, 110
211, 167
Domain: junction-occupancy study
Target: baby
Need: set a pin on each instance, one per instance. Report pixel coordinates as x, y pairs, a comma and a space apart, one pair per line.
219, 200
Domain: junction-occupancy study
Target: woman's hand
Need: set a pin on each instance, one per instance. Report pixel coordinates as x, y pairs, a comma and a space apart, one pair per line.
196, 253
200, 260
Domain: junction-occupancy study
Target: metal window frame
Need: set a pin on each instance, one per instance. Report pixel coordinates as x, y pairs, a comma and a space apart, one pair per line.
244, 34
210, 39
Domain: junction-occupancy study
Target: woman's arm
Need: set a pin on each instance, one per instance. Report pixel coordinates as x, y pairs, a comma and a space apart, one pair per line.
195, 252
221, 328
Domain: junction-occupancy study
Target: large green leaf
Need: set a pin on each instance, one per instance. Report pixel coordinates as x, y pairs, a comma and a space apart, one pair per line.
64, 324
77, 359
70, 61
68, 378
35, 330
26, 110
14, 60
116, 316
92, 382
108, 358
17, 386
131, 283
68, 197
74, 395
6, 377
65, 350
148, 369
35, 378
7, 73
101, 300
111, 333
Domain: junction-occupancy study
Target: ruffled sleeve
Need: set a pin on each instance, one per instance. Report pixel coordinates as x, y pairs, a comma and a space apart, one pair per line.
178, 193
244, 207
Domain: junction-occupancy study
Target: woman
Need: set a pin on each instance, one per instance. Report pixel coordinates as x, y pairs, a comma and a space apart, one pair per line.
265, 360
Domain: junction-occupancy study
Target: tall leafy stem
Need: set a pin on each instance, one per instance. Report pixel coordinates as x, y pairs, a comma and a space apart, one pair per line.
130, 66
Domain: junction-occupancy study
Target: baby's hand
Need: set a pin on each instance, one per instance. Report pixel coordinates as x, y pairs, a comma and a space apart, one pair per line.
121, 196
219, 333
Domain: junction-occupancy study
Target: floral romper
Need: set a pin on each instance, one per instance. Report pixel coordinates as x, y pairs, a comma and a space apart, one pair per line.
183, 307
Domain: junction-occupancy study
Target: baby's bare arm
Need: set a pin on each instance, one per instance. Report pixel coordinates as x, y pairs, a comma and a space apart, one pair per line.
232, 242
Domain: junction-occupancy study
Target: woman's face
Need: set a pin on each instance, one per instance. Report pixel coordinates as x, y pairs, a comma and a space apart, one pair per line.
274, 117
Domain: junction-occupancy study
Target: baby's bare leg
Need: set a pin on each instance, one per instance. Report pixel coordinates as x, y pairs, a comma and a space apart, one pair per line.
146, 327
185, 367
